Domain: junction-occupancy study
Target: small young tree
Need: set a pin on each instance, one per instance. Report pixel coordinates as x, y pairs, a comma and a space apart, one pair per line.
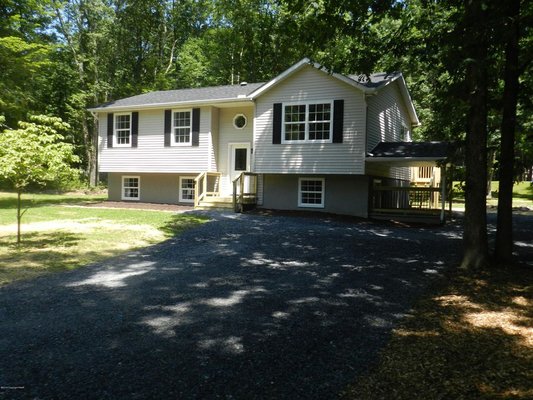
35, 154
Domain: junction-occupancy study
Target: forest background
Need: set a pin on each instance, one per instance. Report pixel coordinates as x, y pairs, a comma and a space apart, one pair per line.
467, 65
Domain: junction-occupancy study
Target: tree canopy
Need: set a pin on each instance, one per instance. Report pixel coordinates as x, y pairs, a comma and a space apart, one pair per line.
58, 57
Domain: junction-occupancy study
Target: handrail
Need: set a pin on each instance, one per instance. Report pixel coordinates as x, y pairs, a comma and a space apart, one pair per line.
200, 186
240, 196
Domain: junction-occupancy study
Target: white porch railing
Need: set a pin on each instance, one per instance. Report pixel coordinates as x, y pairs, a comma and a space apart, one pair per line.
244, 190
206, 184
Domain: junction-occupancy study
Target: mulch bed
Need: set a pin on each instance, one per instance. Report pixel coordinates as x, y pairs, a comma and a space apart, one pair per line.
471, 339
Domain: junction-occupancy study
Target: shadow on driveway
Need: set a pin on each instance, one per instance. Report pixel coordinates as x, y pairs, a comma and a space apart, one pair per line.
243, 307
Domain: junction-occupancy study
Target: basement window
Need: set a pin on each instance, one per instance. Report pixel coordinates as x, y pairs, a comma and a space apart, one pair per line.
311, 192
131, 187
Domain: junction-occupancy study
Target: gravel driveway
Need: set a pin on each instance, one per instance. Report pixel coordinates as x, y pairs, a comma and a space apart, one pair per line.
243, 307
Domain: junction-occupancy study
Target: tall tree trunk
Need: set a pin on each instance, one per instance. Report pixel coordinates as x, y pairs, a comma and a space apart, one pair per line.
19, 214
94, 179
475, 225
491, 155
504, 230
90, 141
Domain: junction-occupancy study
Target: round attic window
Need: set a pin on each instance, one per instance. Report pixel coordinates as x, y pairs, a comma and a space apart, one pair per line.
239, 121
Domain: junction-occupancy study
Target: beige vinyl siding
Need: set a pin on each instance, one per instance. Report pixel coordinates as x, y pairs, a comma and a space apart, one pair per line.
309, 84
386, 171
387, 115
151, 155
343, 194
260, 189
154, 188
213, 147
229, 134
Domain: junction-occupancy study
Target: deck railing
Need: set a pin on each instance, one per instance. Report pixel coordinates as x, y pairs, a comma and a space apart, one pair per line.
206, 184
405, 198
244, 190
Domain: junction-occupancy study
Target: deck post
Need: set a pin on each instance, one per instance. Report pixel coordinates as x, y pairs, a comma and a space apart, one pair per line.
241, 194
195, 193
442, 192
235, 196
255, 188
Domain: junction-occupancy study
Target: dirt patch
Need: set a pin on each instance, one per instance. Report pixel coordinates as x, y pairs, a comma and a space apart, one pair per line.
79, 226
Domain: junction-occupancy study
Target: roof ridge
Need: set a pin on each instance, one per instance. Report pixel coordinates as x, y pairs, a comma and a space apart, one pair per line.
207, 87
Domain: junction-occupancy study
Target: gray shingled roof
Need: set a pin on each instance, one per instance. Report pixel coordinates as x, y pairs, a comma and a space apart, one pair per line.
212, 93
428, 150
374, 80
227, 92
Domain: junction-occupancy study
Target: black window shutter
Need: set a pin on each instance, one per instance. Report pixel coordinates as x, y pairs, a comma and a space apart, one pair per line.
276, 127
195, 140
134, 128
168, 126
338, 120
109, 129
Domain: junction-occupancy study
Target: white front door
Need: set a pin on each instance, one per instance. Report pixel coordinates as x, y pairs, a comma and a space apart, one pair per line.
239, 159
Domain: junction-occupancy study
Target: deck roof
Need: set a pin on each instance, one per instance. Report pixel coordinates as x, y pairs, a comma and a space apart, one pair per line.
409, 153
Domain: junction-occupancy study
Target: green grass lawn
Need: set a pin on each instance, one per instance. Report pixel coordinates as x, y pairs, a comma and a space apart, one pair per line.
59, 233
522, 195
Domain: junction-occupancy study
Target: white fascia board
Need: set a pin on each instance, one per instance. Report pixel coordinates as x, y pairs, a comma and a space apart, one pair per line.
405, 94
400, 159
299, 65
171, 104
408, 101
279, 78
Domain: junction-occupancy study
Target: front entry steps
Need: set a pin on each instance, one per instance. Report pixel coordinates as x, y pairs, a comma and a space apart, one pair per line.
216, 203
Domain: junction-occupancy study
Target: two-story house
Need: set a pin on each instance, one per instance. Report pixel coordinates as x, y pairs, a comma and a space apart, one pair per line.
304, 140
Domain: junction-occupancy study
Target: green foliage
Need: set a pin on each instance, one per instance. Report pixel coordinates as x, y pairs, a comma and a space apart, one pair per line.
36, 153
22, 69
60, 57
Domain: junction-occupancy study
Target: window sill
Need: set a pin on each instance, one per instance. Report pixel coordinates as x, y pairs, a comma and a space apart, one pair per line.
306, 141
181, 144
311, 205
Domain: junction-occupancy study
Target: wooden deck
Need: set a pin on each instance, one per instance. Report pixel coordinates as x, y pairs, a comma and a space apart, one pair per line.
432, 217
407, 204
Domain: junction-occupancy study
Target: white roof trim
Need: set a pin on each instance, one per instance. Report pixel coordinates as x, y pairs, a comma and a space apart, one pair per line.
170, 104
306, 61
299, 65
399, 159
408, 102
279, 78
406, 96
274, 82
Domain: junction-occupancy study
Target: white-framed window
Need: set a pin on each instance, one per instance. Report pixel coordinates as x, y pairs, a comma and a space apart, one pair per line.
122, 129
311, 192
240, 121
131, 187
181, 127
186, 189
308, 122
